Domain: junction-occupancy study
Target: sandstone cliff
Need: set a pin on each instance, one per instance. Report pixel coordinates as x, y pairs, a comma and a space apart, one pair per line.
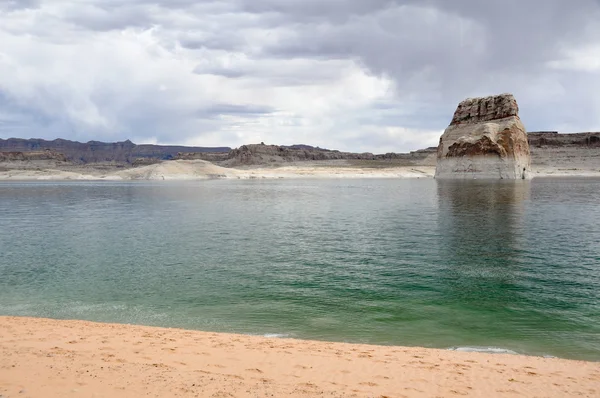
47, 155
485, 139
98, 152
572, 153
541, 139
261, 154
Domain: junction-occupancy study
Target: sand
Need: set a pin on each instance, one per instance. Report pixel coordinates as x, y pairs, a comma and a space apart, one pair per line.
199, 169
50, 358
181, 170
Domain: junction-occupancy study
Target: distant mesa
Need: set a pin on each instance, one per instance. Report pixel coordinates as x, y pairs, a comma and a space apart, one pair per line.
46, 154
485, 140
100, 152
540, 139
263, 154
127, 154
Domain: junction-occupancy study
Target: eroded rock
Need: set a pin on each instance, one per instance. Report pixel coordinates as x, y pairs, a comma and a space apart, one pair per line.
485, 139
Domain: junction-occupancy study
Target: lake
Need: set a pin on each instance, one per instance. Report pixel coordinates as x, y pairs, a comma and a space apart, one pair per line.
465, 264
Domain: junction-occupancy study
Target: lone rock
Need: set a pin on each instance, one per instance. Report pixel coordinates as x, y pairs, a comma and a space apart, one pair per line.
485, 140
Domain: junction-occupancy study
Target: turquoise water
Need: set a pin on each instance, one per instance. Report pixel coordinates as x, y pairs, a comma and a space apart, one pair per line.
514, 266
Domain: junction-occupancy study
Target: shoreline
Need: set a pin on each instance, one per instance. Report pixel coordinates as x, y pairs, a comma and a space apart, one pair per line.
195, 170
50, 358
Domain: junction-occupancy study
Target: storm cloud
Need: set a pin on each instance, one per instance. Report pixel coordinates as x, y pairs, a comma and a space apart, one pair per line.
354, 75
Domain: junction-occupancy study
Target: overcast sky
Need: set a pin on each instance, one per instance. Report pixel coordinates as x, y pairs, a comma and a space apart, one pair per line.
359, 75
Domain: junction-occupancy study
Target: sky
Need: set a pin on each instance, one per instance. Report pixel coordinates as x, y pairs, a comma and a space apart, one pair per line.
356, 75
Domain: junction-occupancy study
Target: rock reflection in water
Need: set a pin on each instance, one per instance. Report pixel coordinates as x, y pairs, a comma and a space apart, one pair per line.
481, 226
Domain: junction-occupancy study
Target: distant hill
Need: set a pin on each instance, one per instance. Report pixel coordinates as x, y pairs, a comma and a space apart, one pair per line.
126, 152
261, 154
96, 151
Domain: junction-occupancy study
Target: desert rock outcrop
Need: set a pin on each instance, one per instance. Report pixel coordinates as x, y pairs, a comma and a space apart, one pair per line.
485, 139
96, 152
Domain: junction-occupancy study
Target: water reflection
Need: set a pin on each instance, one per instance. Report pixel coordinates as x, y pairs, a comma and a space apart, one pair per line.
481, 228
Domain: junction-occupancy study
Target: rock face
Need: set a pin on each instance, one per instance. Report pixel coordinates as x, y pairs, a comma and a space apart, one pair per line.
565, 152
278, 155
32, 156
485, 140
540, 139
97, 152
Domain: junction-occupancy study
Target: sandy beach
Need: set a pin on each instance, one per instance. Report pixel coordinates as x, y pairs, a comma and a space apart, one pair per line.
50, 358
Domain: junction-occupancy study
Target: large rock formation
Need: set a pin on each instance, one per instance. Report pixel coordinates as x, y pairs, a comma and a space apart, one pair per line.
485, 139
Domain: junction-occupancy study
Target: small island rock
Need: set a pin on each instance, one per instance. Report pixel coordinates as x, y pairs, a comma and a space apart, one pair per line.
485, 140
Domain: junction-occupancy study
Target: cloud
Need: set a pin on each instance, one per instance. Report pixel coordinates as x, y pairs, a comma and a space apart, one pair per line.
346, 74
11, 5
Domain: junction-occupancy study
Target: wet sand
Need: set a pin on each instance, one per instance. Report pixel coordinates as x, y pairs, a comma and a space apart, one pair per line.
50, 358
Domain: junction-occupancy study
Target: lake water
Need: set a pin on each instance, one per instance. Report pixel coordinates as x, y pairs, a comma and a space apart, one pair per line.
514, 266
